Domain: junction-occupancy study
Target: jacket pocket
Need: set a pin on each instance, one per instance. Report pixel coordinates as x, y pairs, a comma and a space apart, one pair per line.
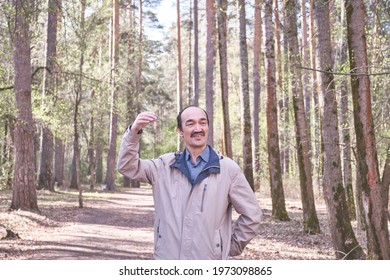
218, 245
203, 197
157, 235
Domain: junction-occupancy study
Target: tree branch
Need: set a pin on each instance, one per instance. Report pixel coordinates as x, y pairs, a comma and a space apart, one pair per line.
344, 74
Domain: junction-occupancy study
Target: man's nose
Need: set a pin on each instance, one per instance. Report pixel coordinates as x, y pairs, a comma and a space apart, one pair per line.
197, 127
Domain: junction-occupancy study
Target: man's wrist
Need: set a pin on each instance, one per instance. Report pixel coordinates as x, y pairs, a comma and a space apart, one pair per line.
133, 130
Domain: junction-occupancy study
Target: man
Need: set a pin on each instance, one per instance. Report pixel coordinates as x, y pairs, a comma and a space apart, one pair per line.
193, 191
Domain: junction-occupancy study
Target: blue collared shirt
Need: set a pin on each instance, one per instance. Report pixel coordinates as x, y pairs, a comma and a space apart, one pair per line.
201, 161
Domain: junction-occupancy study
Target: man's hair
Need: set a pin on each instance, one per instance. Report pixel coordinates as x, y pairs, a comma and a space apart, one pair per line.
179, 124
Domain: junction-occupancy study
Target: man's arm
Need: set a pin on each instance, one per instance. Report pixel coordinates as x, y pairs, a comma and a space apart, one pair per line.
245, 203
129, 163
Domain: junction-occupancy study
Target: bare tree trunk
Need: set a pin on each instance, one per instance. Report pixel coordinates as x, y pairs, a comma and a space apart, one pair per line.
316, 108
222, 30
277, 193
111, 156
344, 241
10, 156
59, 162
256, 92
282, 83
91, 148
196, 55
246, 130
189, 83
305, 75
210, 60
24, 195
99, 162
45, 178
386, 181
345, 127
179, 75
131, 98
310, 219
140, 56
76, 164
375, 214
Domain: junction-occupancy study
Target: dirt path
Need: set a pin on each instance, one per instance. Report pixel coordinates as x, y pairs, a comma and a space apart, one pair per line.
119, 226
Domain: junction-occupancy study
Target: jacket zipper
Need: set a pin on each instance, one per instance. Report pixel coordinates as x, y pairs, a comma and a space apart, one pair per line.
203, 195
205, 170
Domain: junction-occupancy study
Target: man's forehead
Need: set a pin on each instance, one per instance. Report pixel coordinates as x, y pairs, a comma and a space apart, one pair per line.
193, 113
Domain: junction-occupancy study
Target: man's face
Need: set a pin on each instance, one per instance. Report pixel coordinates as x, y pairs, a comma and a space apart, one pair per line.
195, 127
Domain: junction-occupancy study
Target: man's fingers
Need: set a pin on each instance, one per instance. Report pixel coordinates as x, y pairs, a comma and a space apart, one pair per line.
143, 119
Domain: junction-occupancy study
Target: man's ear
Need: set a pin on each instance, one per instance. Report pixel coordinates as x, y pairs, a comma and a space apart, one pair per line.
179, 131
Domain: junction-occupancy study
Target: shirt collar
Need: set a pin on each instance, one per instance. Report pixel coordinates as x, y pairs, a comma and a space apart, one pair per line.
204, 155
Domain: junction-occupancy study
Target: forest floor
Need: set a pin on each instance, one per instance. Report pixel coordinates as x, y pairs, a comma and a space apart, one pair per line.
119, 226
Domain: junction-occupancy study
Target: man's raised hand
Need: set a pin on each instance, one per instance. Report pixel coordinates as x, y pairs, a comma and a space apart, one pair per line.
142, 120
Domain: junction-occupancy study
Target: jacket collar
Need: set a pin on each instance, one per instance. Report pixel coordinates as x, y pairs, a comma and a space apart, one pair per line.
212, 166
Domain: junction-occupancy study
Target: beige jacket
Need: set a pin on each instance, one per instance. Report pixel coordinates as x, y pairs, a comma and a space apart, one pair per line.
194, 222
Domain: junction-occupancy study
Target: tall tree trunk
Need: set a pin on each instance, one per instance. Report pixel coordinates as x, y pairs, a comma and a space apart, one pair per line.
210, 60
9, 156
386, 180
189, 83
344, 125
316, 108
284, 92
140, 56
256, 92
91, 148
179, 75
99, 162
222, 43
111, 156
76, 164
45, 178
277, 193
246, 130
375, 214
305, 75
24, 194
344, 241
196, 55
131, 98
310, 219
59, 162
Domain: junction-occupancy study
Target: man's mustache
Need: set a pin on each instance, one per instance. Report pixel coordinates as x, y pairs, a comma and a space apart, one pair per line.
193, 134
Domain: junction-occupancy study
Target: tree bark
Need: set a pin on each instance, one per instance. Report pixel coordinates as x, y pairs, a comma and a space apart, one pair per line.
196, 55
179, 75
310, 219
111, 155
24, 195
45, 178
317, 163
256, 92
277, 193
345, 126
210, 60
59, 162
91, 148
284, 92
246, 130
223, 62
344, 241
375, 214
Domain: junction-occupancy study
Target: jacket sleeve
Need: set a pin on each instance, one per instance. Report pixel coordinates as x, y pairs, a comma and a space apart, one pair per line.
129, 164
245, 203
